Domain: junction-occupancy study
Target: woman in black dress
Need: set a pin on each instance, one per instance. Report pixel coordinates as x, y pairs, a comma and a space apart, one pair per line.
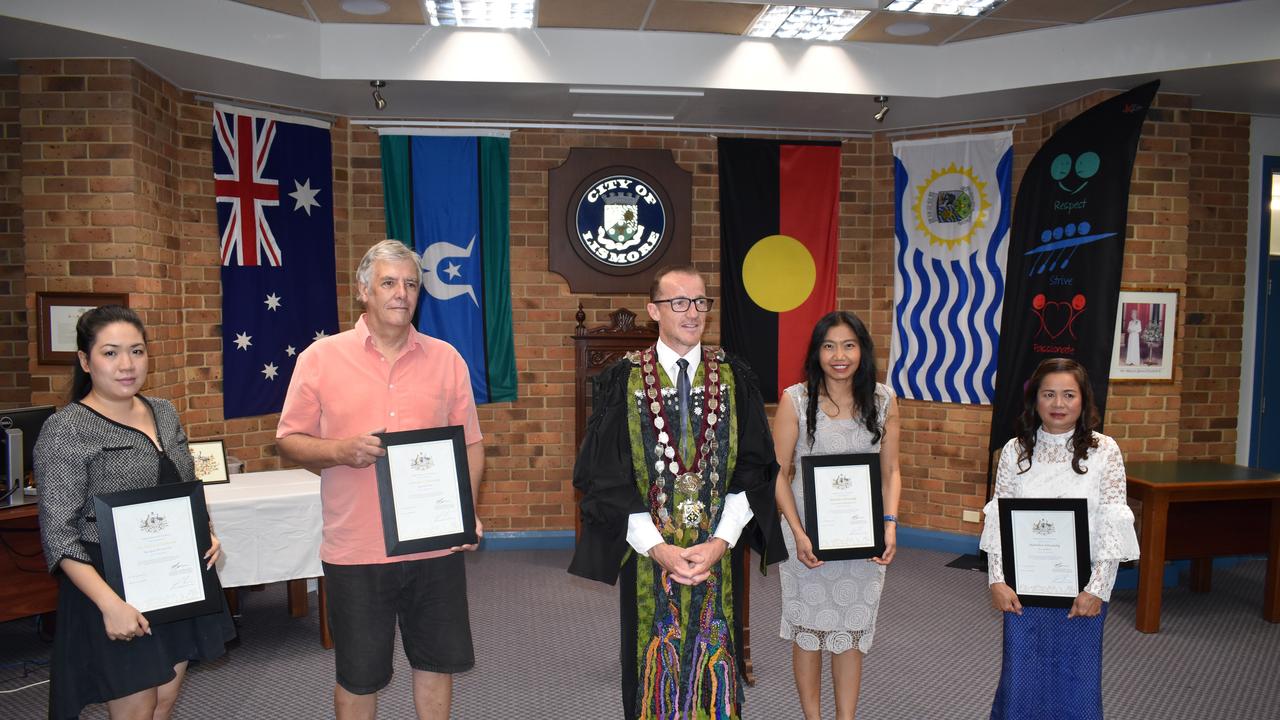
111, 438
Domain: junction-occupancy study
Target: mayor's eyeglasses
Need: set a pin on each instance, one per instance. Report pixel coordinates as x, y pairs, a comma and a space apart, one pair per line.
681, 304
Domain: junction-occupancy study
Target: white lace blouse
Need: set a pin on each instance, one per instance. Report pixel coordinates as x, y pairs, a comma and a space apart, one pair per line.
1111, 535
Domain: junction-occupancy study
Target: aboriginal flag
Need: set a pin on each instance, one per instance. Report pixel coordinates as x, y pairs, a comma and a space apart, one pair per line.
779, 228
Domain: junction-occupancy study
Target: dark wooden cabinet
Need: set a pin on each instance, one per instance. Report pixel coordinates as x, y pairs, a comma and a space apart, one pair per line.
26, 587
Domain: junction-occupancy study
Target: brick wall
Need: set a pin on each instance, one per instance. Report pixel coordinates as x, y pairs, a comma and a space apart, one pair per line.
111, 135
1214, 301
15, 379
98, 194
1143, 416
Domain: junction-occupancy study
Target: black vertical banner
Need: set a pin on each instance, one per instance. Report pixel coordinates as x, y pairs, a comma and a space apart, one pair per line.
1066, 252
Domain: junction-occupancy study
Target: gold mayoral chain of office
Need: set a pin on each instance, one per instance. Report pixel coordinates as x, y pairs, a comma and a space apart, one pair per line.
687, 477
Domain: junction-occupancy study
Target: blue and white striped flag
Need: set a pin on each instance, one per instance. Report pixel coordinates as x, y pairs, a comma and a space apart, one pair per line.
952, 203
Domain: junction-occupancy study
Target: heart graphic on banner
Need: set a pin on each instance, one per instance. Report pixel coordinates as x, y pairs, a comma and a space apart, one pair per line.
1057, 316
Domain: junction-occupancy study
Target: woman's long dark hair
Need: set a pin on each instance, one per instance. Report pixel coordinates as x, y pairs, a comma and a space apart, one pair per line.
864, 378
1082, 439
87, 329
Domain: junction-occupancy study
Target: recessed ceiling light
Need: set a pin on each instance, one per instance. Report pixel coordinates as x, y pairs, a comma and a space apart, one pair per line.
806, 22
365, 7
907, 29
481, 13
634, 91
621, 116
970, 8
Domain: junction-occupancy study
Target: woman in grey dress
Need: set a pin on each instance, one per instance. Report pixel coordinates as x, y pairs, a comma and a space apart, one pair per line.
840, 408
111, 438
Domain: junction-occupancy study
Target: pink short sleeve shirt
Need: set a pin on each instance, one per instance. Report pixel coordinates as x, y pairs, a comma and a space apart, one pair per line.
341, 387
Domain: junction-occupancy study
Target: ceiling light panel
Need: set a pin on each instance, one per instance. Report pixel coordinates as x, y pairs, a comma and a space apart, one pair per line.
970, 8
806, 22
481, 13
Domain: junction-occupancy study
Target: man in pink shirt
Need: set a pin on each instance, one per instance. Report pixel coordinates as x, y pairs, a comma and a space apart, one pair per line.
383, 376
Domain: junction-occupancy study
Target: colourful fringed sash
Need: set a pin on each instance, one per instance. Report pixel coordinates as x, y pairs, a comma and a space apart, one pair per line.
711, 689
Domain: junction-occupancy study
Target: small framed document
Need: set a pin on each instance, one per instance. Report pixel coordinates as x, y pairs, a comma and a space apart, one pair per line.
210, 458
424, 489
153, 545
56, 316
843, 505
1045, 548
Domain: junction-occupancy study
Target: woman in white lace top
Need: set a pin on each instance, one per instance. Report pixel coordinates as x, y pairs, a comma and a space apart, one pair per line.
1052, 664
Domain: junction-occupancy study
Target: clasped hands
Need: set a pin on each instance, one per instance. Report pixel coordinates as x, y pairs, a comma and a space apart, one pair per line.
691, 565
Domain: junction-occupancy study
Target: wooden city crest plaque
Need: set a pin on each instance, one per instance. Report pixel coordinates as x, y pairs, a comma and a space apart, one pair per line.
616, 215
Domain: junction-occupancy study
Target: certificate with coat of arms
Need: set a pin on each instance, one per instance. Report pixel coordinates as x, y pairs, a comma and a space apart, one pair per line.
153, 543
843, 505
1044, 544
424, 490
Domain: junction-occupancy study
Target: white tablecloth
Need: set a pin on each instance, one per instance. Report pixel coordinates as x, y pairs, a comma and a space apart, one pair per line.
269, 524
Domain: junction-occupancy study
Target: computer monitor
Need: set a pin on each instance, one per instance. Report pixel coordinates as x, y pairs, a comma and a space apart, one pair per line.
19, 429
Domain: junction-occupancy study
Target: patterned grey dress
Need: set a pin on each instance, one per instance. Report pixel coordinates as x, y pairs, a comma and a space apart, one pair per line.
832, 607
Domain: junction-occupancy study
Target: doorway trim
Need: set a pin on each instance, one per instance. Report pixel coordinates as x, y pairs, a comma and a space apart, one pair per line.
1270, 167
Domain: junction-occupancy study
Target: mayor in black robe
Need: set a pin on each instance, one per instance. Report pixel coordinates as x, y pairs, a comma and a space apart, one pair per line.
680, 644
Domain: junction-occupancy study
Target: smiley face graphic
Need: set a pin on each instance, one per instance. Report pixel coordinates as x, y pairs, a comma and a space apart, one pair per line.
1085, 166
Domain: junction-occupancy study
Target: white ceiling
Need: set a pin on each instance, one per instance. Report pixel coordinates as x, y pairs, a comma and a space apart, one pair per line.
1225, 55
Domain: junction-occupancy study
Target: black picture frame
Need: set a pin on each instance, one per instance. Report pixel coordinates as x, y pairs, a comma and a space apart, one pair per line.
105, 506
210, 459
1079, 508
871, 461
454, 434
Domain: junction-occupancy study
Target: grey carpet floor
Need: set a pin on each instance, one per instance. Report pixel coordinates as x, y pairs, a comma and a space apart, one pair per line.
546, 650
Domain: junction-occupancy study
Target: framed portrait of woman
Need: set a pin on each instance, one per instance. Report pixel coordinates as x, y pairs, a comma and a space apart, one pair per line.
1142, 349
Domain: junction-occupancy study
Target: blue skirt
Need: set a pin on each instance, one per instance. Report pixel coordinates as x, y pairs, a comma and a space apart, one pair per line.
1052, 666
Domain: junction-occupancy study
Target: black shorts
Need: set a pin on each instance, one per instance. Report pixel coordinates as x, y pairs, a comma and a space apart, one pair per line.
427, 597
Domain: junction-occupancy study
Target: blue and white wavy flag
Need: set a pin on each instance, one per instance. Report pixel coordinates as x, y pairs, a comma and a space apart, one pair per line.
952, 203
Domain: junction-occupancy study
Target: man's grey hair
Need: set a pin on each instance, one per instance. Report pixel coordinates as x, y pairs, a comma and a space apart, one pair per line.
389, 250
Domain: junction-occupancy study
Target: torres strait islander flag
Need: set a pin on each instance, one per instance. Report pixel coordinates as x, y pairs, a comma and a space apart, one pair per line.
447, 198
778, 237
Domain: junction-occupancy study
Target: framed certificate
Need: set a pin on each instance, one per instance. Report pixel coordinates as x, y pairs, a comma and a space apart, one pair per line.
153, 543
210, 458
424, 489
843, 506
56, 317
1045, 547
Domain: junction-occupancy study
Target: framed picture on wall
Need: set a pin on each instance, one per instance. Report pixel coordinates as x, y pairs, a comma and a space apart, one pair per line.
1143, 346
210, 458
56, 316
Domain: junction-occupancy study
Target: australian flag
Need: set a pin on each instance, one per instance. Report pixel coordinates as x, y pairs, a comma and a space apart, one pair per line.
273, 177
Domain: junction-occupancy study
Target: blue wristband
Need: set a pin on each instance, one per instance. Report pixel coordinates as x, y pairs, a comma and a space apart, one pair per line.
891, 518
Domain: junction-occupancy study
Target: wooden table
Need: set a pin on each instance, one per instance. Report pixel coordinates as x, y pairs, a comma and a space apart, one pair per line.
1197, 511
26, 587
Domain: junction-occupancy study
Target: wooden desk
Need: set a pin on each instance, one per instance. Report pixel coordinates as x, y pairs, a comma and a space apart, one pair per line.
1196, 511
26, 587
